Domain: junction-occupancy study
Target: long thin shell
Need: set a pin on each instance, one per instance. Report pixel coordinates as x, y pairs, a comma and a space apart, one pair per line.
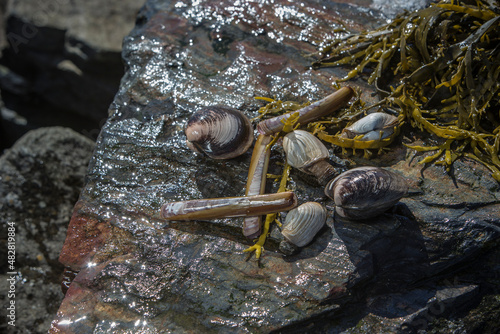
256, 183
302, 149
214, 208
219, 132
307, 114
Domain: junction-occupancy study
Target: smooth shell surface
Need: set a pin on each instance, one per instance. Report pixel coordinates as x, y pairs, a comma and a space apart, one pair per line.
374, 126
303, 223
302, 149
365, 192
256, 182
219, 132
214, 208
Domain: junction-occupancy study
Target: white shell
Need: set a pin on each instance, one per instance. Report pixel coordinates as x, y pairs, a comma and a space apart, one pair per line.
374, 126
302, 223
302, 149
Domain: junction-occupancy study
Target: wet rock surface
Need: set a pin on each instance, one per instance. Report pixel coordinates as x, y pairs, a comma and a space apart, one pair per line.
41, 177
430, 261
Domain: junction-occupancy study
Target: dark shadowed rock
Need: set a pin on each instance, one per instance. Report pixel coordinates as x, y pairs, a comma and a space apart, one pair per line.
397, 272
41, 177
62, 63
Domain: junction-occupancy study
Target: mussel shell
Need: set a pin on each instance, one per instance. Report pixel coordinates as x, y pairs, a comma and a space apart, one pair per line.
365, 192
303, 223
219, 132
302, 149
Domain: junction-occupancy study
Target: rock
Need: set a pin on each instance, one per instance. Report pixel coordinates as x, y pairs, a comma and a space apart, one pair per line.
392, 8
62, 65
138, 272
41, 177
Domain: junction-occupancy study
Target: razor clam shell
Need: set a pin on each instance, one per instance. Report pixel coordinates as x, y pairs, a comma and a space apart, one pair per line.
302, 149
365, 192
219, 132
303, 223
214, 208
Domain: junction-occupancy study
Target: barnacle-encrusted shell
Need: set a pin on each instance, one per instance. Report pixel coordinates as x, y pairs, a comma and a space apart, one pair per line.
302, 223
374, 126
365, 192
220, 132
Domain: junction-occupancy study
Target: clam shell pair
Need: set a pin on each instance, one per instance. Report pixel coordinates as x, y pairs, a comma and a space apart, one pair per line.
219, 132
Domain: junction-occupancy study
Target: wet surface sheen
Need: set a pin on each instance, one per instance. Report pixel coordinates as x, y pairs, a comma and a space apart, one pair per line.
141, 273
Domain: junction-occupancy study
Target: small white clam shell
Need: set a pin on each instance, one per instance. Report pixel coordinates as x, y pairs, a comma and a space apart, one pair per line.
303, 223
307, 153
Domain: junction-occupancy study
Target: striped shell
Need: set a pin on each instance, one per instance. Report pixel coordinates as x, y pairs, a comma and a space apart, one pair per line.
302, 149
303, 223
374, 126
365, 192
219, 132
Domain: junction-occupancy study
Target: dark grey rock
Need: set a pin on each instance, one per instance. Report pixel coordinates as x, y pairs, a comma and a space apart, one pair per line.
41, 178
139, 272
62, 65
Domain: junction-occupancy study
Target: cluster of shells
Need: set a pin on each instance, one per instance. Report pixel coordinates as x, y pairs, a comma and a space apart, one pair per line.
359, 193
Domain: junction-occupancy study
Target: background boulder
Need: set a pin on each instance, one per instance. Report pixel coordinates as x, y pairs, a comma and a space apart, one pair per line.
41, 178
61, 63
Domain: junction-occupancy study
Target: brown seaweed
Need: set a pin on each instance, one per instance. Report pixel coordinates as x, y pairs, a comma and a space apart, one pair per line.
444, 67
